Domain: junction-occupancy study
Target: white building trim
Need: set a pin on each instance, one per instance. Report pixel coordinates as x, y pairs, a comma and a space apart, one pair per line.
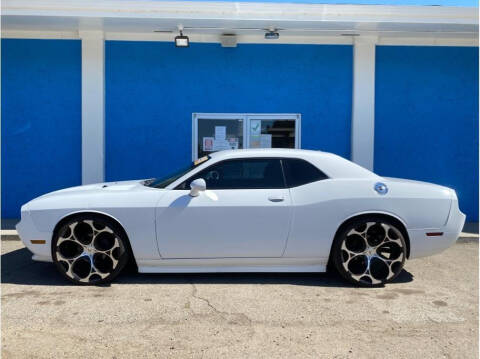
421, 40
363, 104
240, 11
40, 34
317, 39
206, 21
93, 107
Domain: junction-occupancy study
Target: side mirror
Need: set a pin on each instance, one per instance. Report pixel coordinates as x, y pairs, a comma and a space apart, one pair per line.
197, 186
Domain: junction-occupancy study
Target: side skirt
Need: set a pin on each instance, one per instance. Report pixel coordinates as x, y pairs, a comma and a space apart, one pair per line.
230, 265
38, 258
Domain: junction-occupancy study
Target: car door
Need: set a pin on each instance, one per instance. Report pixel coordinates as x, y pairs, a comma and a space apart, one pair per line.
245, 212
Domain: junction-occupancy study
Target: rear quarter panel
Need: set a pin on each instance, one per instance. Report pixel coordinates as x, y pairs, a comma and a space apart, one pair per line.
321, 207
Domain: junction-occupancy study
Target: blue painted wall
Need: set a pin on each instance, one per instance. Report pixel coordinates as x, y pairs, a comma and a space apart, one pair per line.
152, 89
426, 117
41, 119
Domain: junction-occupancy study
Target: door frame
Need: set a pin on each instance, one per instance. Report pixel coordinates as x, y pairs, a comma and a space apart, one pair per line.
246, 117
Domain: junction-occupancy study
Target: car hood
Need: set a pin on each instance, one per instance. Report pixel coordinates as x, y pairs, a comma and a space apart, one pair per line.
104, 186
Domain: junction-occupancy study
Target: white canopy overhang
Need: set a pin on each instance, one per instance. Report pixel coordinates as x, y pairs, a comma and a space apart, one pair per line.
205, 21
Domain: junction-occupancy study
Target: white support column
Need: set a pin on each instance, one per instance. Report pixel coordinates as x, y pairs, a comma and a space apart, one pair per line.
363, 110
93, 106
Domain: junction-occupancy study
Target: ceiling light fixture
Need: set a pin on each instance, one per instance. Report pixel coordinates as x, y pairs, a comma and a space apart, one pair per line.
272, 34
228, 40
181, 40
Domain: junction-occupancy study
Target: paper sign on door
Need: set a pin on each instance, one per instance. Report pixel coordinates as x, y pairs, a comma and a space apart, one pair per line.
220, 133
255, 127
208, 144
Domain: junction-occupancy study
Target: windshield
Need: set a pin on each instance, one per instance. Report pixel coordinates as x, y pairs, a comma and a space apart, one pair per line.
163, 182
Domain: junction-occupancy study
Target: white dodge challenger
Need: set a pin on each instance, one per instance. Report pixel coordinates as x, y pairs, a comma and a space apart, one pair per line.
264, 210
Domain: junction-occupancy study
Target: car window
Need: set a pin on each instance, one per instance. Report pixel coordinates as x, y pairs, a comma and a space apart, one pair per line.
299, 172
241, 174
163, 182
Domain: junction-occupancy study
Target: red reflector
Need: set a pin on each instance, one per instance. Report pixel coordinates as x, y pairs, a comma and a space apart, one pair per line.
434, 234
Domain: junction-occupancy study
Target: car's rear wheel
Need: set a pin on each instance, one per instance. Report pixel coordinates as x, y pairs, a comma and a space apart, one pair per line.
369, 252
90, 250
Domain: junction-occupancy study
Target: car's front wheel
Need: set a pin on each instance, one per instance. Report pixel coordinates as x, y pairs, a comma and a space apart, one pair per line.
89, 249
369, 252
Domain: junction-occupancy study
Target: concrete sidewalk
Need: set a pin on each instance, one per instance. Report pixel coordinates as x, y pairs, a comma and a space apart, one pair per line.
470, 229
9, 235
9, 223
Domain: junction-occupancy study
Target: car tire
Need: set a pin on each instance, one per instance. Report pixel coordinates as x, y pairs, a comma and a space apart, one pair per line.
369, 252
90, 249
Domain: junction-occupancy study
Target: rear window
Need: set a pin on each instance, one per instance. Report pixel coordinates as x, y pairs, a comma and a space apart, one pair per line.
299, 172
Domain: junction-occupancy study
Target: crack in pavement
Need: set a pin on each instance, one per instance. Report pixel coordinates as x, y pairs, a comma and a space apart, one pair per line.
222, 314
205, 300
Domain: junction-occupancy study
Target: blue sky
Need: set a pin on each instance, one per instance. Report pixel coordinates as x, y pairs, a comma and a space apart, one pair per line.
472, 3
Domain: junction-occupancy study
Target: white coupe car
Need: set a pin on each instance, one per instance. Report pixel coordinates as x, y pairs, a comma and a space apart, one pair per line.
272, 210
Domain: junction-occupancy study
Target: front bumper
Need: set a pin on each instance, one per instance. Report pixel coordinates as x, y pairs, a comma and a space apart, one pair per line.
37, 242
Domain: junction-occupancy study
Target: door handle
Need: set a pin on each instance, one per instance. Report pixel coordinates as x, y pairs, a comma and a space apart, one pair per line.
275, 199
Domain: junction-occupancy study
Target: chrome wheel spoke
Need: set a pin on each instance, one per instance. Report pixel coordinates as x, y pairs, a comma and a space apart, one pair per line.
361, 278
69, 260
351, 253
365, 273
94, 271
68, 235
392, 234
109, 252
362, 231
70, 263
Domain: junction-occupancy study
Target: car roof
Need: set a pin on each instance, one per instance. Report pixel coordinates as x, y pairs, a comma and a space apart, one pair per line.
332, 165
273, 152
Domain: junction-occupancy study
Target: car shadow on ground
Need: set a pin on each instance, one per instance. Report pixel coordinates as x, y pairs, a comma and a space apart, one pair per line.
18, 268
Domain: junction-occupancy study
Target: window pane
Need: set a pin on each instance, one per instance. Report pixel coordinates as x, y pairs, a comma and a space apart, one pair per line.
299, 172
216, 135
163, 182
272, 133
242, 174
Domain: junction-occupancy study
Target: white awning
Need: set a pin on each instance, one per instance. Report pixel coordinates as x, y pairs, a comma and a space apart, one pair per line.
205, 21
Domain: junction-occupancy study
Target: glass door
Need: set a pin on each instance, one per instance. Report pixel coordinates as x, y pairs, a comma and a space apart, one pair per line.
217, 132
273, 131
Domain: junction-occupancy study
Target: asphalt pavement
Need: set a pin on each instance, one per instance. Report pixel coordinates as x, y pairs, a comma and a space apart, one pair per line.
430, 311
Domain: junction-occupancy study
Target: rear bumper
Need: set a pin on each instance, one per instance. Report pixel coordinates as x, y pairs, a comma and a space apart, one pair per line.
422, 245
